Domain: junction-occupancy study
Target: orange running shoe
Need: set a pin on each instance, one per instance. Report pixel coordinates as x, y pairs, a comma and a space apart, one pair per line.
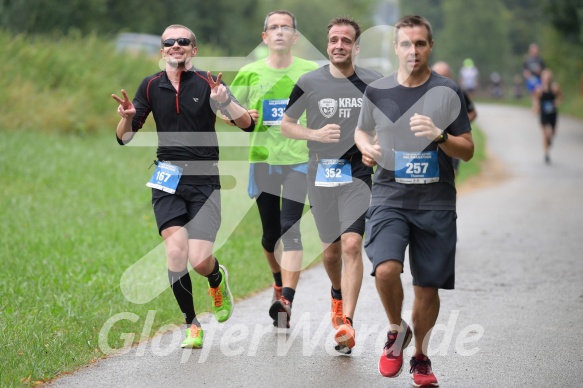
344, 337
336, 315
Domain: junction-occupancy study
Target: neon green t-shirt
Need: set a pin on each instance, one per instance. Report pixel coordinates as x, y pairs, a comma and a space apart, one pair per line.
258, 86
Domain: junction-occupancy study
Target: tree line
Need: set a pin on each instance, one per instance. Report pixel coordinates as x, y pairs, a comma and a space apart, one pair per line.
233, 26
494, 33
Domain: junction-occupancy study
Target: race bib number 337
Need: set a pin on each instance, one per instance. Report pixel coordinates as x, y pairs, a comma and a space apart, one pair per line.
273, 111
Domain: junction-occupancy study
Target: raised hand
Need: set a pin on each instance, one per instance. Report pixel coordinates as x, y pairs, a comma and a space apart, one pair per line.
125, 109
218, 90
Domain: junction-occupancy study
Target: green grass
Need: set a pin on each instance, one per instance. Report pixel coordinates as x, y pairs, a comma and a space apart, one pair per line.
474, 166
75, 215
63, 84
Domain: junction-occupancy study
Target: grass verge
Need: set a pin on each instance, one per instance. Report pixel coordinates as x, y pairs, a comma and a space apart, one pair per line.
76, 215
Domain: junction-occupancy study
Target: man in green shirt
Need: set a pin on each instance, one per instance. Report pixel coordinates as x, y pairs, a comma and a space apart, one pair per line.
278, 165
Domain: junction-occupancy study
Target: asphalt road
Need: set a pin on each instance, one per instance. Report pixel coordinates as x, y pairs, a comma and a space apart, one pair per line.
515, 318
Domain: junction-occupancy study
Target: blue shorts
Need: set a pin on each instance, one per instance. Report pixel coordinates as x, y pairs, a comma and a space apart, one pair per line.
430, 234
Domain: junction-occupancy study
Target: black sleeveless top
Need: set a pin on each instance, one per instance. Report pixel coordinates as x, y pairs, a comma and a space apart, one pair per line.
547, 102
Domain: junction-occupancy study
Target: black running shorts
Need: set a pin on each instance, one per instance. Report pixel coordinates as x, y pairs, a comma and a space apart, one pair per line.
430, 234
197, 208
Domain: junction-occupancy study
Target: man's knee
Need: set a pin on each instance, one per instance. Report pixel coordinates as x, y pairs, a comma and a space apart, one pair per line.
389, 271
176, 256
332, 253
269, 241
352, 246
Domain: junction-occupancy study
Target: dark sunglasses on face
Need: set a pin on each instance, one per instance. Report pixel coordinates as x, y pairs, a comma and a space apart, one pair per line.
181, 42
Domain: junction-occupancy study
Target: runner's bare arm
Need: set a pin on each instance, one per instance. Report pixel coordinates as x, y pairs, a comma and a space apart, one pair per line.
368, 146
330, 133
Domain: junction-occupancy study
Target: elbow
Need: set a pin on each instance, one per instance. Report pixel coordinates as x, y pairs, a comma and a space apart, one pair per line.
469, 155
125, 139
250, 128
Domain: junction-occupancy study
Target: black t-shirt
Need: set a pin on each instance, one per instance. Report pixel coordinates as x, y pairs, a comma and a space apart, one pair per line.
330, 100
387, 109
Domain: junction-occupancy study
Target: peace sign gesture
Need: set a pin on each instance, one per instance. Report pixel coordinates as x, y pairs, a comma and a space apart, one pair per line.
218, 90
125, 109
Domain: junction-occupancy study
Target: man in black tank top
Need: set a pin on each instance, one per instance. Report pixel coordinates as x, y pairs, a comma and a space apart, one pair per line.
547, 98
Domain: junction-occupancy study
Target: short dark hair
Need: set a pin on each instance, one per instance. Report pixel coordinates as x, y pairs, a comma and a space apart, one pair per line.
414, 21
283, 12
345, 21
192, 36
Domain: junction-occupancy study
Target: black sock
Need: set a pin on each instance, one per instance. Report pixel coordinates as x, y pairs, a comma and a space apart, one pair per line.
350, 320
215, 276
277, 278
336, 294
182, 289
288, 293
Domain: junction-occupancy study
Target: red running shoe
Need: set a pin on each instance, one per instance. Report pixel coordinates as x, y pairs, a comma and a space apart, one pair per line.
421, 372
391, 361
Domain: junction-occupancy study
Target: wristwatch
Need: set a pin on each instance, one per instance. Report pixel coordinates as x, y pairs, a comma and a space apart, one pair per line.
442, 138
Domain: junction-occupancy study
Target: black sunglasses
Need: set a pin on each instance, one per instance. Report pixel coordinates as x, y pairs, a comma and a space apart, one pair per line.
181, 42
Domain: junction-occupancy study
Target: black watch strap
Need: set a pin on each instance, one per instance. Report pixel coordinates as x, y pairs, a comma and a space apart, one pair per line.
442, 138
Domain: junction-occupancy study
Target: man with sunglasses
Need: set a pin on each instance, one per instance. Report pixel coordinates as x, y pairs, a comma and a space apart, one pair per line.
278, 165
338, 182
185, 184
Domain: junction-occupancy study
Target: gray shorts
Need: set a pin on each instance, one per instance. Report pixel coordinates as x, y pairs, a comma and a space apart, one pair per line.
197, 208
430, 234
341, 209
